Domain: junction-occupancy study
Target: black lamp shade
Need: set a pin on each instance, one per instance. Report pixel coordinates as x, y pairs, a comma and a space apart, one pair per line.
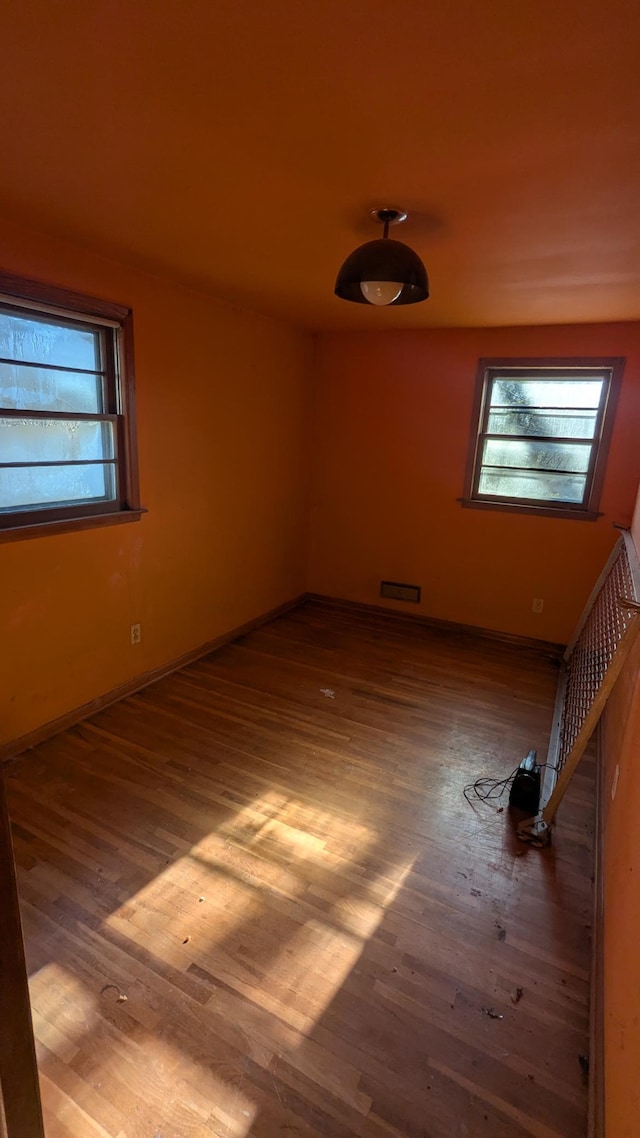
383, 260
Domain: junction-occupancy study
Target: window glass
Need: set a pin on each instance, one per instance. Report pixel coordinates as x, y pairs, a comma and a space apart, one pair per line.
67, 440
48, 486
45, 340
46, 389
55, 440
538, 435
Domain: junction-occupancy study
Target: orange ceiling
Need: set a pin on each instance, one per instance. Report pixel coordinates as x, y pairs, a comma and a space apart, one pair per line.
239, 145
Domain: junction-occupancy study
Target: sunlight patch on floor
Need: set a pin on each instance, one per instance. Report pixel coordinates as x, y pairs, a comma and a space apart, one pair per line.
319, 958
198, 1097
63, 1010
235, 870
294, 825
237, 907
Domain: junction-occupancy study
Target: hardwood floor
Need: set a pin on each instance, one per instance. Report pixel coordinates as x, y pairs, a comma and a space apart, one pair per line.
256, 902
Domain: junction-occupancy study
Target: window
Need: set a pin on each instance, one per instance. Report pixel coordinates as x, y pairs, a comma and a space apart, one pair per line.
67, 437
540, 434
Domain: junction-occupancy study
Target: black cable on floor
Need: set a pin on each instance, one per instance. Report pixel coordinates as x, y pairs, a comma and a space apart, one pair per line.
491, 789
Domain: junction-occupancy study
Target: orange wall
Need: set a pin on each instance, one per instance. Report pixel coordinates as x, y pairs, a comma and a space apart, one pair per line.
222, 400
621, 750
392, 419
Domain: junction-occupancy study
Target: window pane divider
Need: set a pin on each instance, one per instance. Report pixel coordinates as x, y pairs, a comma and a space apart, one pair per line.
566, 440
65, 416
531, 469
59, 462
538, 409
52, 367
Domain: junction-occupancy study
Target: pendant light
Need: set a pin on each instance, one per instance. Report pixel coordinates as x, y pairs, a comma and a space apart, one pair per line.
383, 272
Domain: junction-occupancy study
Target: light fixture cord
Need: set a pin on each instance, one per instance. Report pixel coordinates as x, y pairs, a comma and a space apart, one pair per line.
386, 227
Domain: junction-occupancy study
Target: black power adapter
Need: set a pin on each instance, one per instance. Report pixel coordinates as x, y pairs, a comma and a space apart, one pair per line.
525, 788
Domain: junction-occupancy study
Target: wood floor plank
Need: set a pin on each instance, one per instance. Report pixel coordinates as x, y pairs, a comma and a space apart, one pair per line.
256, 902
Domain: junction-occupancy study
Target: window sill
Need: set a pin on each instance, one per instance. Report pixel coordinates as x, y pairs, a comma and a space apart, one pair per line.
70, 525
563, 512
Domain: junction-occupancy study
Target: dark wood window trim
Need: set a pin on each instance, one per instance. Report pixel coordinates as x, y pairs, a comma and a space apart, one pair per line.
35, 296
588, 511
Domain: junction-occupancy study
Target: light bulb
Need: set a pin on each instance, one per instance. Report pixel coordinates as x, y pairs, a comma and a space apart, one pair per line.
381, 292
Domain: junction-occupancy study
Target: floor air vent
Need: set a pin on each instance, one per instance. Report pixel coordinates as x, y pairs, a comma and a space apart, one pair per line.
399, 592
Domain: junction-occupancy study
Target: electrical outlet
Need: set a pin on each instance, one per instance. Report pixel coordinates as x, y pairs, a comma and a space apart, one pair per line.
538, 604
135, 634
